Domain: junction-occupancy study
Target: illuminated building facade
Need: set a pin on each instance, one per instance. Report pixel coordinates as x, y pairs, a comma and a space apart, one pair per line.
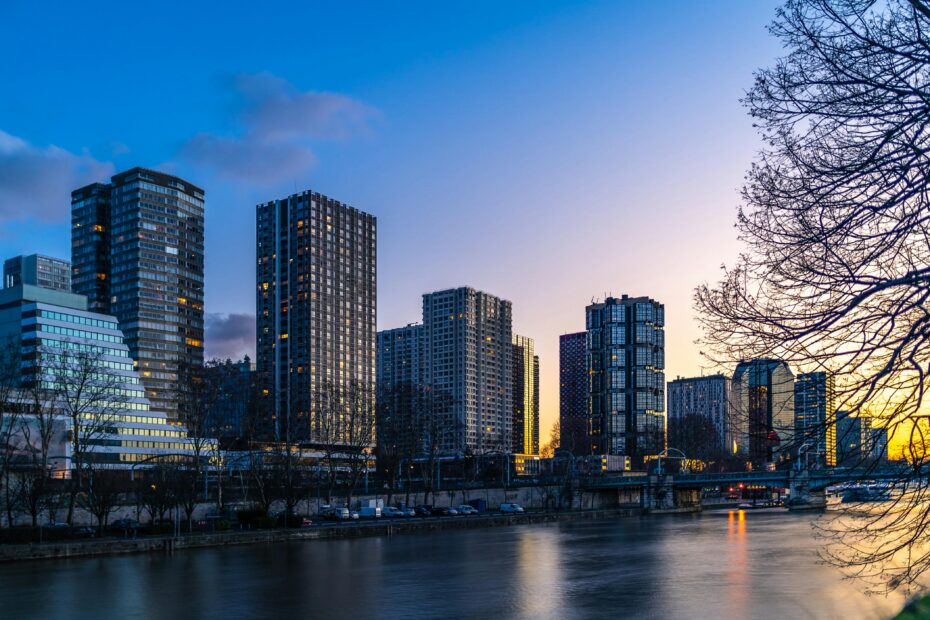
315, 309
137, 247
525, 390
626, 368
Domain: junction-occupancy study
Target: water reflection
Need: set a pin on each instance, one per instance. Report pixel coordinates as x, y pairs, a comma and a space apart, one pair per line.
725, 565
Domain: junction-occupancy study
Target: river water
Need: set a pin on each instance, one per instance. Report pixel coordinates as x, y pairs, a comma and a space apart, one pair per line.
720, 565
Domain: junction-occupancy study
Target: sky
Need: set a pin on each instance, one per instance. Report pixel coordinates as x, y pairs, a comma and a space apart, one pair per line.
546, 152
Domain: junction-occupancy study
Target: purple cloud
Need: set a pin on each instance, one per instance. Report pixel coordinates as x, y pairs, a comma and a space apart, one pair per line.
37, 182
277, 125
229, 335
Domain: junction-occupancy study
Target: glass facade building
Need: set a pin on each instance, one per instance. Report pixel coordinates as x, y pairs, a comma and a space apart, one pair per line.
574, 434
315, 306
37, 270
52, 325
815, 417
137, 249
525, 390
626, 369
468, 365
763, 401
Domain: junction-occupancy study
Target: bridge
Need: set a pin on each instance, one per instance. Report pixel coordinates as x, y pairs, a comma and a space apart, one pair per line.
673, 492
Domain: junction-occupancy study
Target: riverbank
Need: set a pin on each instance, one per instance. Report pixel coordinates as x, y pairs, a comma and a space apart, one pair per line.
381, 527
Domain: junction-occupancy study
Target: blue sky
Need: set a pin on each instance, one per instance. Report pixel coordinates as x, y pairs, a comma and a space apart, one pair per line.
546, 152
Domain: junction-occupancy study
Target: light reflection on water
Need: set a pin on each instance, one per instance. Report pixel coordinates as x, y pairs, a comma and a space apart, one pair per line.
716, 565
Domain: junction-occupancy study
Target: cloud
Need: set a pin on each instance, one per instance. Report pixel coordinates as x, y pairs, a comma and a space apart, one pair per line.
229, 335
37, 182
276, 127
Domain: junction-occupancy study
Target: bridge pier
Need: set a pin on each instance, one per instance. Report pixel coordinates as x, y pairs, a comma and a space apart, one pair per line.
660, 495
802, 496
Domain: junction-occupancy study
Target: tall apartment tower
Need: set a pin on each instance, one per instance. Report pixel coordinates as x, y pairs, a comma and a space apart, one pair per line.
626, 367
574, 434
763, 400
468, 364
137, 253
399, 390
694, 400
525, 389
315, 310
815, 417
37, 270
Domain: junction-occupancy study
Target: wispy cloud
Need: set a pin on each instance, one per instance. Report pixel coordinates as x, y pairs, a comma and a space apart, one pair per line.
37, 181
229, 335
276, 128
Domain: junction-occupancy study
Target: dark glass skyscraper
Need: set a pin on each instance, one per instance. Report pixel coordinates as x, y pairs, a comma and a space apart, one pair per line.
763, 401
573, 394
626, 367
316, 309
137, 253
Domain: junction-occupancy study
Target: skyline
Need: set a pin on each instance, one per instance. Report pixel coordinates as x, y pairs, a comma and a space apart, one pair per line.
460, 115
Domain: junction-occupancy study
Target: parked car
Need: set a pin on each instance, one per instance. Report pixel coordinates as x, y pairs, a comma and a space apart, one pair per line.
369, 512
444, 511
84, 531
392, 512
423, 510
125, 525
466, 510
335, 513
511, 508
353, 515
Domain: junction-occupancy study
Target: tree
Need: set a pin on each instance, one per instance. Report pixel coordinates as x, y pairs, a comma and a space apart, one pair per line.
344, 424
549, 448
836, 271
89, 396
10, 414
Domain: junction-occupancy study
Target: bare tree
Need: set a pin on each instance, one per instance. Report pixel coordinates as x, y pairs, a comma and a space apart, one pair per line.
549, 448
90, 397
10, 413
836, 223
344, 426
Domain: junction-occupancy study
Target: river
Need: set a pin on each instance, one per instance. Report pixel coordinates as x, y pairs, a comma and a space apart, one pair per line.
721, 565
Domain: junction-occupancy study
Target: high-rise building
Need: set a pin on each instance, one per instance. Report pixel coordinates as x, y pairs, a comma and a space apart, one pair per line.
626, 363
37, 270
536, 404
137, 248
400, 390
858, 440
62, 342
468, 364
815, 418
763, 401
316, 311
525, 389
696, 404
573, 394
